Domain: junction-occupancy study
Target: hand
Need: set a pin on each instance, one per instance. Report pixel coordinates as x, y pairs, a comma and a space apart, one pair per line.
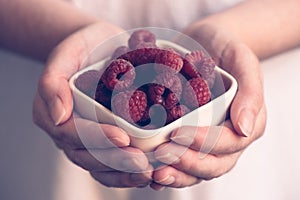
103, 149
203, 153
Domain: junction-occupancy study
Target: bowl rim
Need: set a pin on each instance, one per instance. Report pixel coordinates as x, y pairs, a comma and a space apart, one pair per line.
232, 88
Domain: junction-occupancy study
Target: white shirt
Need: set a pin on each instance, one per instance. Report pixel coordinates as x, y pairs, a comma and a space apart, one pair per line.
174, 14
128, 14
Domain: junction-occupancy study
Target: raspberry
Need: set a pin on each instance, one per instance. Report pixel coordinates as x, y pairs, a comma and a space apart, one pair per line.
176, 112
211, 80
141, 37
130, 105
168, 61
121, 50
103, 95
141, 56
189, 70
87, 82
145, 45
170, 81
205, 66
119, 75
195, 57
145, 120
155, 93
196, 93
172, 89
171, 100
158, 94
165, 90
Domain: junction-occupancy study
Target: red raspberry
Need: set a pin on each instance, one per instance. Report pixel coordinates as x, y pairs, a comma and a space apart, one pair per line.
169, 81
103, 95
130, 105
189, 70
145, 45
176, 112
155, 93
141, 56
158, 94
168, 61
171, 100
196, 93
195, 57
141, 37
211, 80
87, 82
121, 50
119, 75
165, 89
205, 66
145, 120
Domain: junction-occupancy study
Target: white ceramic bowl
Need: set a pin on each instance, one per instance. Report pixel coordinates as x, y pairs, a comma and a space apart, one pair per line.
212, 113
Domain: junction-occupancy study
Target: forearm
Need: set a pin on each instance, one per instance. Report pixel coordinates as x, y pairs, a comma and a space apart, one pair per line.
266, 26
34, 27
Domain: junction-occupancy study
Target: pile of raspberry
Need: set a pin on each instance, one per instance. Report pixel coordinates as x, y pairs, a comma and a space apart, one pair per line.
151, 86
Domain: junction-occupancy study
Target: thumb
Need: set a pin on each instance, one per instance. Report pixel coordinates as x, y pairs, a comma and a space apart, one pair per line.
56, 93
249, 100
54, 86
66, 59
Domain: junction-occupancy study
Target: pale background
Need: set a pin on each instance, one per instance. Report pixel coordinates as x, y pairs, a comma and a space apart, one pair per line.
31, 168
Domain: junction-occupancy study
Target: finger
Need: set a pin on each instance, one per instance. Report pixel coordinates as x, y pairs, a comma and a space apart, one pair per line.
123, 179
217, 140
66, 59
249, 100
91, 135
127, 159
195, 164
171, 177
238, 60
214, 140
54, 86
77, 132
157, 186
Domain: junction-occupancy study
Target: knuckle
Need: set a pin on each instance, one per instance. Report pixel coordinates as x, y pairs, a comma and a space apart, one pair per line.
75, 158
212, 174
58, 144
55, 134
43, 82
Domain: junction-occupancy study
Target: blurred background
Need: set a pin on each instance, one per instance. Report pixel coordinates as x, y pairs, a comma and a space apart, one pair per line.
30, 164
27, 156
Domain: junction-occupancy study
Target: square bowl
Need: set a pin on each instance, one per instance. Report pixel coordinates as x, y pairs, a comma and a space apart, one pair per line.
210, 114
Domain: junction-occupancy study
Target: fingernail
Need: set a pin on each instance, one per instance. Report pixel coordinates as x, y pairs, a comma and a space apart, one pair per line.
168, 158
202, 155
182, 139
118, 141
161, 188
57, 111
246, 122
168, 180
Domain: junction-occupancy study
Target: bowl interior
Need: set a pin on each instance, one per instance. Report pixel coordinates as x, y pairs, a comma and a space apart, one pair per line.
223, 92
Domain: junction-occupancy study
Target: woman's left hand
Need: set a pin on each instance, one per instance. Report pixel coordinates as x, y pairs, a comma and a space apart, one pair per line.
203, 153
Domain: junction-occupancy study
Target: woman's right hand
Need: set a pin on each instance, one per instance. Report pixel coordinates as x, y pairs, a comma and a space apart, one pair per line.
103, 149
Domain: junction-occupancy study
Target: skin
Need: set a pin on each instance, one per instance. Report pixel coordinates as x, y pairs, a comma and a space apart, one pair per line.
236, 45
233, 137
